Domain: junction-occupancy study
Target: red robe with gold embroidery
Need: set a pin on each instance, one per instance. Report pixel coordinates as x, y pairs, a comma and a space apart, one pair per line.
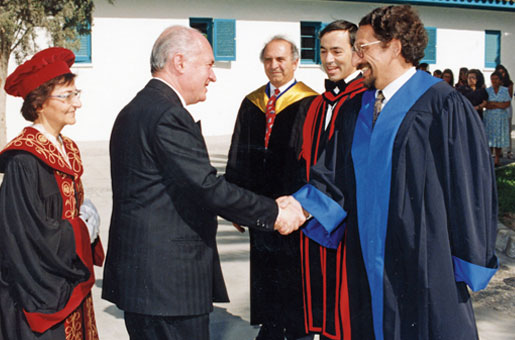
46, 272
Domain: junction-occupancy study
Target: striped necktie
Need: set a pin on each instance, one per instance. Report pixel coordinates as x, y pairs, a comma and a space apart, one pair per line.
377, 106
270, 116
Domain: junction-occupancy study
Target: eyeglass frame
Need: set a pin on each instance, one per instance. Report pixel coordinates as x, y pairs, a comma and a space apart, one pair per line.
68, 97
360, 51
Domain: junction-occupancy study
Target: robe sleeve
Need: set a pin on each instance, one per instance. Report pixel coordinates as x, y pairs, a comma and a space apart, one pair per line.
323, 198
470, 193
238, 162
38, 252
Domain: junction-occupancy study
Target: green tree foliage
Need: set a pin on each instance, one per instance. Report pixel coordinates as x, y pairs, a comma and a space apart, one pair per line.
23, 22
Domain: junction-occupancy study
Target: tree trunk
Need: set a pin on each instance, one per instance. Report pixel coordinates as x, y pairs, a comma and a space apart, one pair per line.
4, 62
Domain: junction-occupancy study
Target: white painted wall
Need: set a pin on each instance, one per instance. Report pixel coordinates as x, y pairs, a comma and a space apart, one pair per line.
123, 34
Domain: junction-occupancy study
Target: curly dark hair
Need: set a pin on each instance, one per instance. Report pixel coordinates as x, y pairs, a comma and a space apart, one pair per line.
341, 25
402, 23
36, 98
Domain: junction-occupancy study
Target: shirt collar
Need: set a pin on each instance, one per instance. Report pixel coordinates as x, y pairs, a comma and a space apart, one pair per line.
352, 76
395, 85
174, 90
282, 88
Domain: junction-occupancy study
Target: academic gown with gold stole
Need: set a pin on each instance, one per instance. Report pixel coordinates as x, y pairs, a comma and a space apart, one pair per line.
274, 171
46, 259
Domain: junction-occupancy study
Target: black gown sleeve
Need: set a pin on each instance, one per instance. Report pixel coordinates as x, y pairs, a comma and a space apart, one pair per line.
39, 262
470, 190
237, 170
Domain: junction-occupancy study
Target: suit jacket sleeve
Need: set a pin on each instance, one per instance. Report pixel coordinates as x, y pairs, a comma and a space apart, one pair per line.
182, 154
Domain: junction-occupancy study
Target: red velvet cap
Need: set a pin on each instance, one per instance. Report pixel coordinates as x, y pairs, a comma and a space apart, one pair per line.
44, 66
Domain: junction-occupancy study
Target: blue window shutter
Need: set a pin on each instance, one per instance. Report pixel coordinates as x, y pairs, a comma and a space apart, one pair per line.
83, 54
224, 39
492, 48
430, 51
309, 42
204, 26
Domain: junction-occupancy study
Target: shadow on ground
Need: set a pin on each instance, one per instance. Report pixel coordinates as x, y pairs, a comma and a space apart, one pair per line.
226, 326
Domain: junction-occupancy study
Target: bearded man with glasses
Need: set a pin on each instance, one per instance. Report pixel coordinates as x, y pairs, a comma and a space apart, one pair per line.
425, 197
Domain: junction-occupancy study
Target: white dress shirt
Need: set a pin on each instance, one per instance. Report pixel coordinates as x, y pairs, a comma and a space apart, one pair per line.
330, 107
395, 85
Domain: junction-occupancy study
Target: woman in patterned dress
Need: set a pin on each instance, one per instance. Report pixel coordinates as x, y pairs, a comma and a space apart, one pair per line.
496, 116
48, 234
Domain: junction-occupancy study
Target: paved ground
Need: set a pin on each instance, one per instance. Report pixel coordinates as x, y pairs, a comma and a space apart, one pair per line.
495, 307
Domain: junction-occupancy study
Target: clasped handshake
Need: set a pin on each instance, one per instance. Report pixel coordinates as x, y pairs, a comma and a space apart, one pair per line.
291, 215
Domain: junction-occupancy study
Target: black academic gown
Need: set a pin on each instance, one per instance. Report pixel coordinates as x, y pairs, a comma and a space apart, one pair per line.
276, 171
46, 266
425, 213
325, 284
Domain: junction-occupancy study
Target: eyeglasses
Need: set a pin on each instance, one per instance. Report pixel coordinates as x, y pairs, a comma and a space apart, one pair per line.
68, 97
360, 51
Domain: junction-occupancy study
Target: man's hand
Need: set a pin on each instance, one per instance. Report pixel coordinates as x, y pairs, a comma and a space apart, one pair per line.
291, 215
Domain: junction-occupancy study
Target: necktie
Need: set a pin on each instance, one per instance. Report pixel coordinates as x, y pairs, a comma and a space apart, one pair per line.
377, 106
270, 116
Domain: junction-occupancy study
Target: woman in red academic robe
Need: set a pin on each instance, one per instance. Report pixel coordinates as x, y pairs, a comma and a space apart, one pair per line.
48, 233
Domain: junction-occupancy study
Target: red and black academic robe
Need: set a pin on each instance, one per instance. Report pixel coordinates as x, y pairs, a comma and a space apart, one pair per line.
326, 297
424, 212
46, 272
274, 171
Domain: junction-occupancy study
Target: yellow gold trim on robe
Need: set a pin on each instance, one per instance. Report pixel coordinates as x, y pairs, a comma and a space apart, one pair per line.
294, 94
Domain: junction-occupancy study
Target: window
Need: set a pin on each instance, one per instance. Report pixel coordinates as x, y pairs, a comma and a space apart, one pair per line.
83, 54
492, 48
430, 51
309, 42
221, 34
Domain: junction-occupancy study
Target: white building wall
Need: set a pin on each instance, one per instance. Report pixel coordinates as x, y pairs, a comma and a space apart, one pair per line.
123, 34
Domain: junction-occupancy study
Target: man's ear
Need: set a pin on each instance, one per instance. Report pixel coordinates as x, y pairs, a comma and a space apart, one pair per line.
176, 62
396, 46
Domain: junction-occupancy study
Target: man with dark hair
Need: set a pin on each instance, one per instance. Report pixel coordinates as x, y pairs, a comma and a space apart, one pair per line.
425, 199
331, 118
263, 158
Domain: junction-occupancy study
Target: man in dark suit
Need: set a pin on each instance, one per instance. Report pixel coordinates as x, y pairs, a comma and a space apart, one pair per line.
162, 265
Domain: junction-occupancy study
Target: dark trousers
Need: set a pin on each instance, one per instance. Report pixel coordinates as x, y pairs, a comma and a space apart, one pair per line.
152, 327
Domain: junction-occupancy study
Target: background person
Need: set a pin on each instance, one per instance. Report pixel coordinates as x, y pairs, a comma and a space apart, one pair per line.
48, 233
263, 158
497, 116
507, 82
462, 77
475, 91
448, 76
